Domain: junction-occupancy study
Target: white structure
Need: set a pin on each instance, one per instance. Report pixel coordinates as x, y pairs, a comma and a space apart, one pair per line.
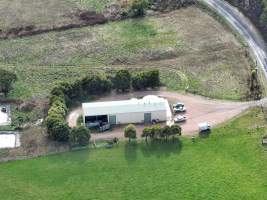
128, 111
9, 140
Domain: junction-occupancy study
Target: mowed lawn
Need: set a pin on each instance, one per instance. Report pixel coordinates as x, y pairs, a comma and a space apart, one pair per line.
230, 164
193, 51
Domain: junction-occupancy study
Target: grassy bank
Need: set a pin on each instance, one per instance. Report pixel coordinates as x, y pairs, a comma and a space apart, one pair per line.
193, 51
230, 164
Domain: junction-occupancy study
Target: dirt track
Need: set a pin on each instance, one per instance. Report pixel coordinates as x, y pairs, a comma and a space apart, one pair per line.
199, 109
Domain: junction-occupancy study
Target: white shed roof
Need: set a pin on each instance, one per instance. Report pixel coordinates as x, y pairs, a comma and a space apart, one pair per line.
149, 103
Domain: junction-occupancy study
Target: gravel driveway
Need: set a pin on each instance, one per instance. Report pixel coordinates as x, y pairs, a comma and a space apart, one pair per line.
199, 109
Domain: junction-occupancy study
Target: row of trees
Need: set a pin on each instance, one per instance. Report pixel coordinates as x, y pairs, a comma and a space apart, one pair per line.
154, 132
63, 94
124, 80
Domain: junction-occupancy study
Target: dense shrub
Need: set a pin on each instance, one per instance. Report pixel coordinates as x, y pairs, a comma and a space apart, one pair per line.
146, 79
7, 78
122, 80
147, 132
57, 128
96, 84
157, 132
130, 132
138, 8
139, 81
176, 130
80, 135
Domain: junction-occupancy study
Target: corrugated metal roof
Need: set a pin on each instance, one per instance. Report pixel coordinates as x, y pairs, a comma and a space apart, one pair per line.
149, 103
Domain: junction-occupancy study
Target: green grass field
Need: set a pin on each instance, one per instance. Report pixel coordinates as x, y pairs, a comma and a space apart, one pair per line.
193, 51
230, 164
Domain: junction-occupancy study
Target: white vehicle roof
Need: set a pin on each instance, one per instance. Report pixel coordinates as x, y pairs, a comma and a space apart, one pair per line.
203, 125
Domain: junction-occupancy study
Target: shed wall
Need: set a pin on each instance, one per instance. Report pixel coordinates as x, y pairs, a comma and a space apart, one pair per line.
127, 118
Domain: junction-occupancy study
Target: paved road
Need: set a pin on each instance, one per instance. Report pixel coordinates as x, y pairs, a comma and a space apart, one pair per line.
245, 29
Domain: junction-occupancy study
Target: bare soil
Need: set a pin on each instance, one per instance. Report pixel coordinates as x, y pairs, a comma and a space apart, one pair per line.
199, 109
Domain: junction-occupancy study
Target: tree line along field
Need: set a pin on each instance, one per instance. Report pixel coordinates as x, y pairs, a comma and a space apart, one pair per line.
229, 164
193, 51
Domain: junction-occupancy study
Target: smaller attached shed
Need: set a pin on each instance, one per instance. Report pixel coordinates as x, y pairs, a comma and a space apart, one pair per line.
128, 111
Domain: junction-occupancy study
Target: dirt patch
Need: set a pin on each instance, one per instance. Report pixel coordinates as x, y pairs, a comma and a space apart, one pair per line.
34, 143
200, 109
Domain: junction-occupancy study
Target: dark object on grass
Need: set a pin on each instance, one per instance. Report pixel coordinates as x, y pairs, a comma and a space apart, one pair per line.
109, 145
264, 140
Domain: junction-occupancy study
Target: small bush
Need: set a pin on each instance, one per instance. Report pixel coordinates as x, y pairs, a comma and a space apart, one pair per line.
138, 8
130, 132
80, 135
57, 128
7, 78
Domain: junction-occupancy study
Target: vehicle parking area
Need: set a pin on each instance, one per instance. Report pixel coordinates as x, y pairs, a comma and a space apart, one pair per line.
198, 110
5, 118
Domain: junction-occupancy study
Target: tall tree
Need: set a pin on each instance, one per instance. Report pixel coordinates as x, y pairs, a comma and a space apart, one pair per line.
122, 80
147, 132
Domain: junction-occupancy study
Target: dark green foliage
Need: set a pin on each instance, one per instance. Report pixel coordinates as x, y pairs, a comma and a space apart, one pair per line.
130, 132
61, 132
7, 78
122, 80
139, 81
176, 130
147, 132
137, 8
166, 132
255, 87
157, 132
96, 84
80, 135
146, 79
152, 78
57, 128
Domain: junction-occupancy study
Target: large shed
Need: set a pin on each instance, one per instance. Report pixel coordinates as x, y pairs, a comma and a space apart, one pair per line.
142, 110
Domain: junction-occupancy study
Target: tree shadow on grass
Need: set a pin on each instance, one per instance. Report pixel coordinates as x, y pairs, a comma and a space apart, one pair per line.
161, 148
130, 151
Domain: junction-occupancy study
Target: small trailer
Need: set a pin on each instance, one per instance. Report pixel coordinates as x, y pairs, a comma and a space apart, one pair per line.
204, 127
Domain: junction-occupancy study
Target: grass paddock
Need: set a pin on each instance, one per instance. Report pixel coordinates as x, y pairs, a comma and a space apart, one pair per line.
229, 164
